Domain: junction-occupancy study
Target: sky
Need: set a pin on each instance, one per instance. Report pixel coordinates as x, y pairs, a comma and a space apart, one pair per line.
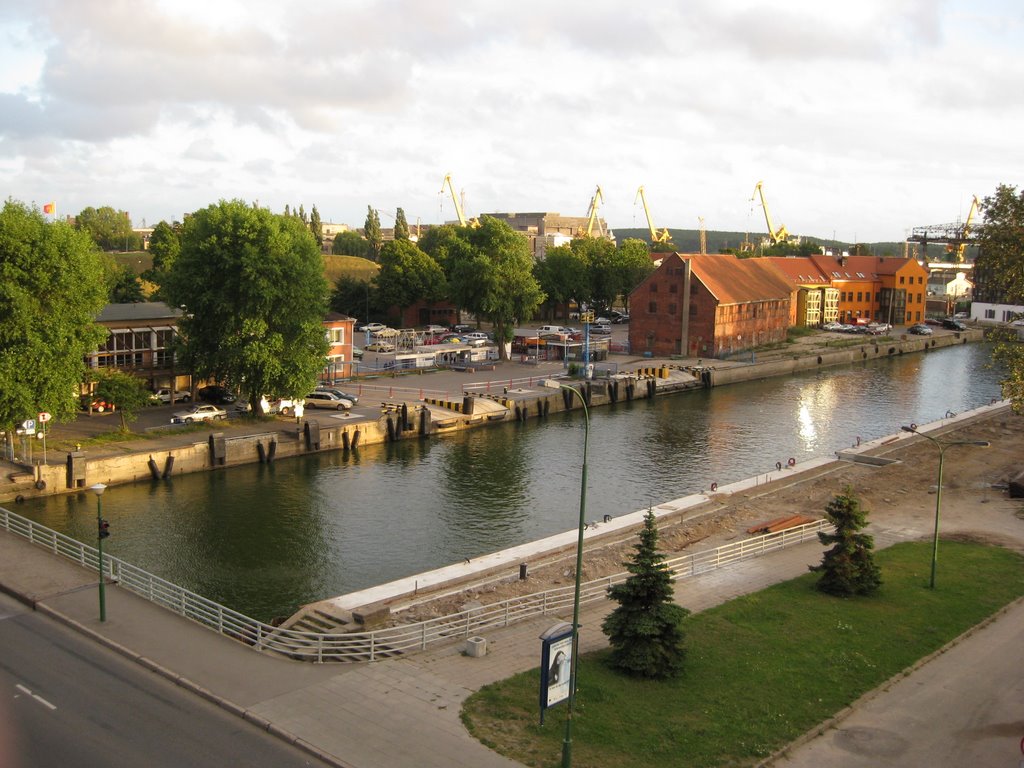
862, 119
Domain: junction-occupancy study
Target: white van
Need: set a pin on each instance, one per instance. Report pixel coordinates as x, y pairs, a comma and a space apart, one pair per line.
555, 329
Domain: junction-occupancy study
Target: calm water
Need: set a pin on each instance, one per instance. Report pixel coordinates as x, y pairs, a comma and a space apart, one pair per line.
266, 539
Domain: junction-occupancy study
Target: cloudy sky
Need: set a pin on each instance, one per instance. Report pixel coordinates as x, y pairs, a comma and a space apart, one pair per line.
863, 119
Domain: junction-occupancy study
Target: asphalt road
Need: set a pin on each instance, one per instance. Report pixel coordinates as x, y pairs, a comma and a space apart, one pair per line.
68, 702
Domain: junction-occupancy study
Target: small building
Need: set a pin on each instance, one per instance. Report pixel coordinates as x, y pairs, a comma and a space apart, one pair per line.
709, 305
338, 331
814, 300
140, 341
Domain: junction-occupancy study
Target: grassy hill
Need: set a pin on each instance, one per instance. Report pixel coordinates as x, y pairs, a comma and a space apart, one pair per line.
688, 241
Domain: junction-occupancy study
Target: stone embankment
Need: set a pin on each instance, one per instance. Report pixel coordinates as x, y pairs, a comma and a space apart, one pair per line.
398, 419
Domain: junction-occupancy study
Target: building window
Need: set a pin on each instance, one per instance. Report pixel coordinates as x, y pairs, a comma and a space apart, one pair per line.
902, 281
990, 314
672, 308
860, 295
652, 307
920, 279
654, 287
673, 288
693, 289
693, 310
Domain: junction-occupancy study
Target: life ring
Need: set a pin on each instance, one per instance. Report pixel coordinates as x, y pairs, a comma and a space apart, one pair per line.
19, 499
791, 462
714, 487
40, 485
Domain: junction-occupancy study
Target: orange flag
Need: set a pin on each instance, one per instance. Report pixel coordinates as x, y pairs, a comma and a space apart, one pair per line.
50, 208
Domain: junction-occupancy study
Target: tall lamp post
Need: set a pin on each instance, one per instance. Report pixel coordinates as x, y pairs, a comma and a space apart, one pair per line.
573, 659
942, 446
98, 489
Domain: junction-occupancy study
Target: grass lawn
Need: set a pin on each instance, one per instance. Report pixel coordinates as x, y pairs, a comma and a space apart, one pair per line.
760, 670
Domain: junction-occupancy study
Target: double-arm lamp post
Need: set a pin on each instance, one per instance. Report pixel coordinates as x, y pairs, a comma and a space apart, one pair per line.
942, 447
573, 659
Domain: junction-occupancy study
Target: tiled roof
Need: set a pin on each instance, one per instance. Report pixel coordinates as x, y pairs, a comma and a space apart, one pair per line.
737, 281
143, 310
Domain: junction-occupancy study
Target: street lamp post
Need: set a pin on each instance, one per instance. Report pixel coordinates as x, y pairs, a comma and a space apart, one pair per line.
942, 447
98, 489
573, 659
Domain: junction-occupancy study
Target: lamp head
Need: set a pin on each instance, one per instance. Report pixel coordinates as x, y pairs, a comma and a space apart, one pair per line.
98, 489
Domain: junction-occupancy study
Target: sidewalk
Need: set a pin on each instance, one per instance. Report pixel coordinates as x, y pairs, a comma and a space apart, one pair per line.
399, 713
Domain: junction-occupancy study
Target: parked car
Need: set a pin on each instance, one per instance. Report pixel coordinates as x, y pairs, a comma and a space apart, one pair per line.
371, 327
601, 329
920, 330
602, 321
620, 317
165, 395
832, 326
270, 405
204, 412
461, 328
339, 392
380, 346
962, 315
952, 324
932, 321
357, 353
321, 399
878, 329
215, 393
434, 329
96, 404
476, 338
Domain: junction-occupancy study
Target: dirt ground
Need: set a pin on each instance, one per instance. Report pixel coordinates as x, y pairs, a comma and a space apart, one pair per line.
899, 497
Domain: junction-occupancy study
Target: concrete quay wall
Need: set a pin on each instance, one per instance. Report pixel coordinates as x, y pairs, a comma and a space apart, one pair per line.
171, 456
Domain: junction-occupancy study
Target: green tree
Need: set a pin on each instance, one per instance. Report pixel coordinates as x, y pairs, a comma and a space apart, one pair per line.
849, 567
645, 630
463, 267
564, 277
253, 286
371, 231
401, 225
605, 277
357, 298
507, 292
1000, 266
316, 226
111, 230
351, 244
126, 392
51, 290
408, 275
633, 264
124, 287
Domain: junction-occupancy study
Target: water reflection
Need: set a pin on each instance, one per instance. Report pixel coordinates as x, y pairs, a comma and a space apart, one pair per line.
264, 539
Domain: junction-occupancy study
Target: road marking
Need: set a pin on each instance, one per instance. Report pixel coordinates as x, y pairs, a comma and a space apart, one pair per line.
37, 697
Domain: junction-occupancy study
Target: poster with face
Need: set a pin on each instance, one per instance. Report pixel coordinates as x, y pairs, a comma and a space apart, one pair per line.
560, 657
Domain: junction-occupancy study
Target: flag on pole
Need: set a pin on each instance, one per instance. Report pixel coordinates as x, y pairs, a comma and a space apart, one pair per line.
49, 208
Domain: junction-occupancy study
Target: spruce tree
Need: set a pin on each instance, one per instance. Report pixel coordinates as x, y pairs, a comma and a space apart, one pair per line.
645, 630
849, 567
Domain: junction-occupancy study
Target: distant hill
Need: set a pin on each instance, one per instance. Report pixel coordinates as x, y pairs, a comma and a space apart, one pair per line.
688, 241
349, 266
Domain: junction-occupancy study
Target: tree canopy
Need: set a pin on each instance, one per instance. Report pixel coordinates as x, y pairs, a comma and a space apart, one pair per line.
351, 244
401, 225
371, 231
111, 230
51, 291
408, 275
252, 284
564, 277
1001, 261
128, 393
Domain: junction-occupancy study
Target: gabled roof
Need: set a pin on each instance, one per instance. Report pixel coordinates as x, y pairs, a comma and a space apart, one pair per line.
738, 281
859, 267
799, 269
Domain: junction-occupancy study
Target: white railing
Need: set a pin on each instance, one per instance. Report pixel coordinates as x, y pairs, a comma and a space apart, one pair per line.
390, 641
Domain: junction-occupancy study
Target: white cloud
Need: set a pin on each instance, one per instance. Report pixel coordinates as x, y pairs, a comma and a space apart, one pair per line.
868, 118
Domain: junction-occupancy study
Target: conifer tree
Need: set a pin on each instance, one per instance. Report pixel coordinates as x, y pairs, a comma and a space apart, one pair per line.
401, 225
849, 567
371, 231
645, 630
316, 226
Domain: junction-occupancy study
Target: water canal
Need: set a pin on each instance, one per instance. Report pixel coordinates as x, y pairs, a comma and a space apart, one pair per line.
266, 539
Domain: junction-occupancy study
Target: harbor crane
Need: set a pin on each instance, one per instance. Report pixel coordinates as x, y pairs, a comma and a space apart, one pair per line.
463, 222
775, 236
656, 236
595, 201
966, 230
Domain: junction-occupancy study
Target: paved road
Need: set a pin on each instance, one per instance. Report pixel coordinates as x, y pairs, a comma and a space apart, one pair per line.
69, 702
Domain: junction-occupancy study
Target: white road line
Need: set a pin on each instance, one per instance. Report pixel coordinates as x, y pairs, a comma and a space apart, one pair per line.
38, 698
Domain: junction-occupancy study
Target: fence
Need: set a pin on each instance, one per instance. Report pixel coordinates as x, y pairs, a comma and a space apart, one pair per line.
390, 641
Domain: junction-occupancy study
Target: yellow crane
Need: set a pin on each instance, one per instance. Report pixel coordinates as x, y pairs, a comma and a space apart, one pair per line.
455, 199
964, 232
595, 201
656, 236
775, 236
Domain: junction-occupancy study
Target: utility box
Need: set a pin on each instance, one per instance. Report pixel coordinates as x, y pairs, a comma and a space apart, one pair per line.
76, 469
476, 647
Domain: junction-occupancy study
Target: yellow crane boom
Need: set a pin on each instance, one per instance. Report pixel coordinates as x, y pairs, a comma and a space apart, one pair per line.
776, 236
656, 237
595, 201
458, 207
967, 228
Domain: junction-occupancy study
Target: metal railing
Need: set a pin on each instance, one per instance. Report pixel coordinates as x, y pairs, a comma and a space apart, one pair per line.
390, 641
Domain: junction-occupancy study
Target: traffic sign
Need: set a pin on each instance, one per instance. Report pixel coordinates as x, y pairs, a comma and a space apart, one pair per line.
44, 417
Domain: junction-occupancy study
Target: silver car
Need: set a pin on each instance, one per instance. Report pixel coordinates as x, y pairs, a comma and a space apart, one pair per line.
321, 399
205, 412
